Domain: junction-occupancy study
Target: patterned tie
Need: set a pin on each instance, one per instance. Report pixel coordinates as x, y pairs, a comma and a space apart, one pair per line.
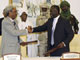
18, 36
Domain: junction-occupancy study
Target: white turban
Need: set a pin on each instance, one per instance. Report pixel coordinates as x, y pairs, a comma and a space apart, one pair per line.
21, 10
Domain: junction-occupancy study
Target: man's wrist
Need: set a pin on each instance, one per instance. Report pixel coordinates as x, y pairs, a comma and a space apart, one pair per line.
64, 44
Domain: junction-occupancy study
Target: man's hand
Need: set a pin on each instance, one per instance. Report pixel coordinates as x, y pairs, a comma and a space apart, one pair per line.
23, 43
47, 54
29, 29
61, 45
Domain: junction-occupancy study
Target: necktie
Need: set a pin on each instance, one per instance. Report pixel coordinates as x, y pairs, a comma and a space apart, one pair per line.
14, 23
18, 36
52, 36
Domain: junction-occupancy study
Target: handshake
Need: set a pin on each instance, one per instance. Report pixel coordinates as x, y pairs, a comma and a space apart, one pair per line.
30, 29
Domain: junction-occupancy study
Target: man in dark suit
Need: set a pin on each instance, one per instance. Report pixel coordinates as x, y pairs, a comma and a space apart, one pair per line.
1, 25
1, 19
59, 32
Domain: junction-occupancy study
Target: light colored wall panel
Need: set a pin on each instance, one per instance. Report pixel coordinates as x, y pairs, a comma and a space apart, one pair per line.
75, 44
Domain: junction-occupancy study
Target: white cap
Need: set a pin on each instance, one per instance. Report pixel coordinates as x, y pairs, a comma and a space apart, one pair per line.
21, 10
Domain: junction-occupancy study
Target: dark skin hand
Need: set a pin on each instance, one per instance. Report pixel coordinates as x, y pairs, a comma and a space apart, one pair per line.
29, 29
61, 45
23, 43
26, 43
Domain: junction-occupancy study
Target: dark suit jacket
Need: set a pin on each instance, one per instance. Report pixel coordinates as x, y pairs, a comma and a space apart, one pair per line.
63, 33
1, 25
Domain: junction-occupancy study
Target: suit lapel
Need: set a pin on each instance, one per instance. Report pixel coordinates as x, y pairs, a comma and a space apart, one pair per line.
50, 28
51, 24
16, 25
57, 25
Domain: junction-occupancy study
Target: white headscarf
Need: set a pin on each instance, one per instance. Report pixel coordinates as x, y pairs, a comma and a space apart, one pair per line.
21, 10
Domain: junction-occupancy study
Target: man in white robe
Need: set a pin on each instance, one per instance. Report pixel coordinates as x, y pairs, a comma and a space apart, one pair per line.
32, 49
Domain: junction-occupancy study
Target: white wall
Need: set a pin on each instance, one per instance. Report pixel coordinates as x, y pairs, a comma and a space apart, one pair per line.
3, 4
75, 9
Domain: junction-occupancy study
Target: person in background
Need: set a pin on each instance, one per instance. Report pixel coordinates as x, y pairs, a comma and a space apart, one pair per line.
59, 31
22, 25
10, 33
1, 19
4, 14
66, 14
32, 49
42, 37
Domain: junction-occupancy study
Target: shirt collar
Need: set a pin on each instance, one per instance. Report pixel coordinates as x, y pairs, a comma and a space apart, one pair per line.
12, 20
57, 17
